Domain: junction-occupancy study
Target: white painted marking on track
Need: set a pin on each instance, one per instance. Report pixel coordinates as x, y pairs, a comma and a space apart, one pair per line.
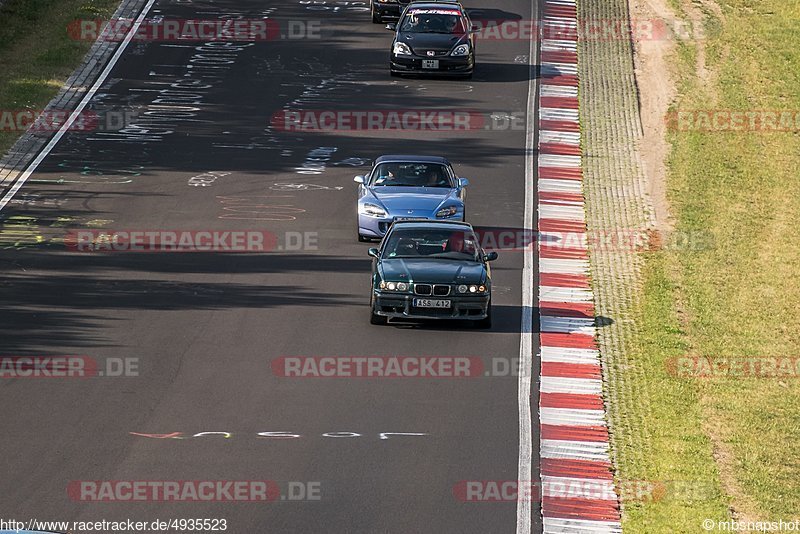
549, 185
582, 386
569, 355
558, 525
574, 450
572, 417
565, 294
564, 138
526, 330
567, 325
558, 90
563, 266
78, 109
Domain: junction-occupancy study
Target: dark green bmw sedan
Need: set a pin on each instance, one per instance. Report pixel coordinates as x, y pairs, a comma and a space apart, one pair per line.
431, 270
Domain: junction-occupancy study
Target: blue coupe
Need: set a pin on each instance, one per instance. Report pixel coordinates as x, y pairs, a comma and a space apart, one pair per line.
407, 188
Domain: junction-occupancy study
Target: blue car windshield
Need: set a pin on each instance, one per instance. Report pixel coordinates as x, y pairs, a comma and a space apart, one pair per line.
411, 175
432, 243
433, 21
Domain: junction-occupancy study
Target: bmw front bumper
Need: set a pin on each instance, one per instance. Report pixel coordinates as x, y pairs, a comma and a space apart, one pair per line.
400, 306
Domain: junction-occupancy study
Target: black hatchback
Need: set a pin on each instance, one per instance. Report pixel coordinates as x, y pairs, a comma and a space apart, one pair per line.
433, 38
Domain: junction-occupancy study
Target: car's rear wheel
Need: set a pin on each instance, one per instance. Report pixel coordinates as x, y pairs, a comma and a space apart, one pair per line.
362, 239
394, 74
486, 322
374, 318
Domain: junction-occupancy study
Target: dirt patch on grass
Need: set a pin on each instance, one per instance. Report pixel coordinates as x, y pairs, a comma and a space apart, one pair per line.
657, 91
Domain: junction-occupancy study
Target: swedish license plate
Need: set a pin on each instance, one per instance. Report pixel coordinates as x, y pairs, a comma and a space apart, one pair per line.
432, 303
430, 63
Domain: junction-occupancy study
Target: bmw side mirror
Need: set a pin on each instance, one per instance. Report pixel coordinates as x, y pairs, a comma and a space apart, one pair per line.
374, 252
391, 26
490, 256
463, 182
359, 179
474, 29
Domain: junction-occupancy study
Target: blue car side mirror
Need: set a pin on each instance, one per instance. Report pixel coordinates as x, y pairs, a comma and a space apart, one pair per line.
374, 252
463, 182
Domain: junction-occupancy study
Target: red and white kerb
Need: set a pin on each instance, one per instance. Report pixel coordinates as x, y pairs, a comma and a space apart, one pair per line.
574, 435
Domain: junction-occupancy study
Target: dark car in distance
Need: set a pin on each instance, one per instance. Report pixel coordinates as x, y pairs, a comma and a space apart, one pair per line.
431, 270
433, 38
386, 9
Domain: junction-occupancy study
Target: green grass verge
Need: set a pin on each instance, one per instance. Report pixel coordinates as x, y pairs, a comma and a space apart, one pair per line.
36, 53
686, 488
739, 298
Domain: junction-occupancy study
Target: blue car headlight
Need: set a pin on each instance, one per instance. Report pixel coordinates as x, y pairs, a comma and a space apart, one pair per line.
460, 50
447, 212
373, 210
401, 49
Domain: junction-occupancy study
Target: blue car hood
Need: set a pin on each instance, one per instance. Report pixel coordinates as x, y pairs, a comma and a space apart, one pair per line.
434, 271
419, 199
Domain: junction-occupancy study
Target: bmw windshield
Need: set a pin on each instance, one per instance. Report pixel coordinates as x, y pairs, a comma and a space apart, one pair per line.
432, 243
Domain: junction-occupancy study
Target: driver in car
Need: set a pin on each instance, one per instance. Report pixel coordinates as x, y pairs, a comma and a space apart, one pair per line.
384, 176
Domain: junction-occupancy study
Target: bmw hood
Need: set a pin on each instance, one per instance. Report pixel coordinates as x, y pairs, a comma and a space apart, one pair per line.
433, 271
419, 200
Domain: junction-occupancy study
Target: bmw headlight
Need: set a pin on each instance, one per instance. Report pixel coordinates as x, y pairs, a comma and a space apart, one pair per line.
460, 50
474, 288
373, 210
401, 49
394, 286
447, 212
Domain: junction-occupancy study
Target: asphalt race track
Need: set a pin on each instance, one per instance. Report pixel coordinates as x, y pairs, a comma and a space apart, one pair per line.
206, 327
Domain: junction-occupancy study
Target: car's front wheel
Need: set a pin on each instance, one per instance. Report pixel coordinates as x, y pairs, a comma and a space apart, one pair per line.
485, 323
376, 17
374, 318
